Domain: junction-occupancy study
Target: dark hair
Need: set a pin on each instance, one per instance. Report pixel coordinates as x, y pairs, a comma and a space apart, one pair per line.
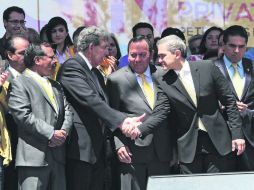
9, 10
118, 55
203, 48
155, 49
235, 30
194, 50
77, 31
34, 50
141, 25
173, 31
33, 36
43, 31
9, 45
53, 22
138, 39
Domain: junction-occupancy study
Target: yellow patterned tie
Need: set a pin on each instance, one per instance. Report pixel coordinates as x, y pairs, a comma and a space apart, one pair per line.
237, 81
192, 93
147, 91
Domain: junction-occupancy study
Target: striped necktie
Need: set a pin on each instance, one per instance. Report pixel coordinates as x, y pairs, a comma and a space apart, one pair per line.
147, 91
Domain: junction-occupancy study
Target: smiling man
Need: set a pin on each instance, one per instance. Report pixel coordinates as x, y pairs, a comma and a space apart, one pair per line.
39, 107
206, 143
14, 23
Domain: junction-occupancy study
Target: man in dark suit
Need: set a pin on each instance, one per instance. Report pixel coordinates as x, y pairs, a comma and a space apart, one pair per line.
205, 142
127, 89
15, 49
39, 107
85, 157
241, 81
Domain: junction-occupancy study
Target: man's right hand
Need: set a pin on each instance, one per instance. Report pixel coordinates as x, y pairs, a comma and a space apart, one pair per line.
129, 127
58, 138
3, 77
124, 155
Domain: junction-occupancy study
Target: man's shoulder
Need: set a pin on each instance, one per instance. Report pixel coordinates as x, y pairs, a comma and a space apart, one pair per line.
119, 73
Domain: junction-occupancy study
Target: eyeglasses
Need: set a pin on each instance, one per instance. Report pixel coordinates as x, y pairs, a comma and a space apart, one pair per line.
17, 22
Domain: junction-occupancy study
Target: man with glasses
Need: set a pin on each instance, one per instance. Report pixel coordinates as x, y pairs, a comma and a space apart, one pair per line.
43, 117
15, 49
140, 29
239, 73
14, 23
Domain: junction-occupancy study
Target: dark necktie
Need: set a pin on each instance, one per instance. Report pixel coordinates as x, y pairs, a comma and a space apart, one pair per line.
99, 82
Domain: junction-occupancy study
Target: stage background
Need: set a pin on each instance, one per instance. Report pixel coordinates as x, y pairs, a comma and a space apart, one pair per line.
118, 16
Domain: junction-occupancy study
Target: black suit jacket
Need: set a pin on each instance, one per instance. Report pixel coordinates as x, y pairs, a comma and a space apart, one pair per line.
211, 87
247, 95
126, 96
91, 110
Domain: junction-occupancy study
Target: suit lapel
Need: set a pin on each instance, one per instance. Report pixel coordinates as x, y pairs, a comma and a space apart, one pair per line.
176, 83
57, 96
247, 67
155, 76
41, 89
91, 78
221, 65
131, 77
195, 77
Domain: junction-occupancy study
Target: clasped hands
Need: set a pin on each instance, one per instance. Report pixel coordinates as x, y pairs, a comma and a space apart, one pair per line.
58, 138
129, 127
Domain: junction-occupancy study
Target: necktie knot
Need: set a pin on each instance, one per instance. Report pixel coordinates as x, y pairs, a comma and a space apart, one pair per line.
235, 66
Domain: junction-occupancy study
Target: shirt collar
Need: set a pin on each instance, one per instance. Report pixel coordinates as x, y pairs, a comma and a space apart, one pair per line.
229, 63
185, 70
86, 60
147, 72
13, 71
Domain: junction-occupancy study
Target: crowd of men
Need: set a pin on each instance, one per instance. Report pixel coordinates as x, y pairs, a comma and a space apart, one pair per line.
158, 115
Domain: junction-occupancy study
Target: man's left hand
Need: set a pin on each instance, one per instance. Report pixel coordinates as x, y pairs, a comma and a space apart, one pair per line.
239, 145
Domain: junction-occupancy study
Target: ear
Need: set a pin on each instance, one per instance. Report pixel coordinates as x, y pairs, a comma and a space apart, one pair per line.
10, 55
37, 60
178, 54
5, 23
91, 46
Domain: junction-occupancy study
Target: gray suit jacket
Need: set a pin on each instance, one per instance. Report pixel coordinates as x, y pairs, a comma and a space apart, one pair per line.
37, 119
126, 96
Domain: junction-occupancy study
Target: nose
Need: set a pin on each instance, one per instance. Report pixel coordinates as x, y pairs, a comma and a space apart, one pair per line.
138, 58
237, 49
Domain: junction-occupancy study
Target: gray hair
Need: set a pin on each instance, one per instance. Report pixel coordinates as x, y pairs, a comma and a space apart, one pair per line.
174, 43
90, 35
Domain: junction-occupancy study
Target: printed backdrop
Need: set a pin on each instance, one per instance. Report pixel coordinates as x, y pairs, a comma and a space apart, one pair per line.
118, 16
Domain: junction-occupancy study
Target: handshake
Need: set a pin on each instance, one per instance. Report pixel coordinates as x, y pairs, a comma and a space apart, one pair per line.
129, 126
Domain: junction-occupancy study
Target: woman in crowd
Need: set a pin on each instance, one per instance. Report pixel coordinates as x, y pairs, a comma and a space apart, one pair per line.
110, 63
209, 43
58, 36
